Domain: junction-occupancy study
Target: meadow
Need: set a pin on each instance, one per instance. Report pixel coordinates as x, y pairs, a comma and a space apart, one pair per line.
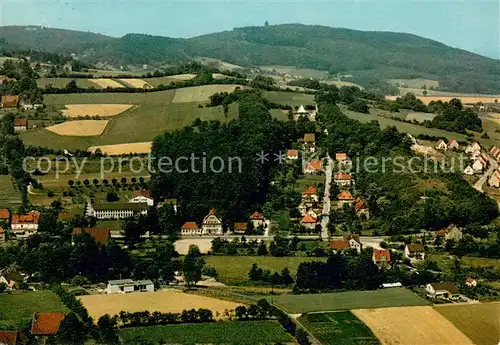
289, 98
236, 332
339, 328
297, 72
61, 83
235, 269
9, 195
17, 308
479, 322
395, 297
415, 83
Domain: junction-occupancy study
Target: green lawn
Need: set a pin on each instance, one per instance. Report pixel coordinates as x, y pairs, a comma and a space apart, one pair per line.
17, 308
339, 328
9, 195
298, 72
237, 332
152, 98
63, 82
234, 269
290, 98
395, 297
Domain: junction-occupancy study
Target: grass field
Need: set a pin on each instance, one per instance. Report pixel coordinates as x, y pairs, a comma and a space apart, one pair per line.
290, 98
411, 326
420, 117
339, 328
479, 322
17, 308
9, 195
172, 301
395, 297
137, 83
237, 332
150, 98
235, 269
63, 82
201, 93
416, 83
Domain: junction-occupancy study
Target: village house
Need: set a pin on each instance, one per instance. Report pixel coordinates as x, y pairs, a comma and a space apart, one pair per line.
240, 227
46, 324
495, 153
5, 80
362, 209
452, 232
100, 235
211, 225
25, 225
470, 282
258, 220
142, 196
354, 242
345, 197
29, 106
494, 180
4, 215
10, 102
339, 245
342, 159
11, 278
310, 194
442, 291
190, 229
342, 179
480, 164
308, 142
292, 154
309, 222
116, 210
2, 236
453, 145
20, 125
472, 148
313, 167
129, 285
381, 258
441, 145
469, 170
12, 338
414, 252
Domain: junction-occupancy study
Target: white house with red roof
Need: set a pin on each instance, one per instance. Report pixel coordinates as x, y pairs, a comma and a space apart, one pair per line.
25, 225
191, 229
480, 164
381, 257
473, 149
142, 196
292, 154
309, 222
310, 194
494, 180
313, 167
343, 179
212, 225
345, 197
442, 145
453, 145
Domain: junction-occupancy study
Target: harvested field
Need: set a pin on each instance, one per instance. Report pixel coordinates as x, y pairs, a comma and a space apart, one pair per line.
164, 301
411, 326
76, 110
105, 82
80, 128
477, 321
120, 149
137, 83
201, 93
182, 76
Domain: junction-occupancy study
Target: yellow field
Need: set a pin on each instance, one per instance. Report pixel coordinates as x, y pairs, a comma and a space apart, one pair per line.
121, 149
80, 128
137, 83
182, 76
200, 93
76, 110
163, 301
464, 99
105, 82
411, 326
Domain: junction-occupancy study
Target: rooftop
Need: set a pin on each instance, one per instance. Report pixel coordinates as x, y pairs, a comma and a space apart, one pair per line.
100, 235
190, 225
46, 323
112, 206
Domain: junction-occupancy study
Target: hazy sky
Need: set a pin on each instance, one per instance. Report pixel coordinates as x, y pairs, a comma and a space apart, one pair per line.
472, 25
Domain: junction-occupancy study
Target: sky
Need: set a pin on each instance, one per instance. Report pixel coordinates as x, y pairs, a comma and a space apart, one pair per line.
472, 25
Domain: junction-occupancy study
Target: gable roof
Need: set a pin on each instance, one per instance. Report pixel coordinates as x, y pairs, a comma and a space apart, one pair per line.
416, 247
301, 110
308, 219
293, 153
8, 337
30, 218
240, 226
452, 288
1, 230
256, 215
310, 137
46, 323
347, 237
378, 254
10, 101
339, 244
314, 165
132, 206
469, 279
448, 229
100, 235
360, 205
190, 226
143, 192
311, 190
341, 156
453, 142
345, 195
4, 213
18, 122
342, 176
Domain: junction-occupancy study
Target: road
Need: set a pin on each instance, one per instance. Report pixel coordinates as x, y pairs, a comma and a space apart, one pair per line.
493, 166
326, 200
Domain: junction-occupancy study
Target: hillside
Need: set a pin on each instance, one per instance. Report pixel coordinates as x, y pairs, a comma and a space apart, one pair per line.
367, 56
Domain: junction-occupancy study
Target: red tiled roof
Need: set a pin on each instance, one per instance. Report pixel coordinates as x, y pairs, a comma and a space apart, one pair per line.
8, 337
240, 226
311, 190
20, 123
293, 153
469, 279
1, 232
10, 101
256, 215
4, 213
190, 226
416, 247
100, 235
341, 156
46, 323
212, 211
32, 218
308, 219
314, 165
378, 254
360, 205
440, 233
342, 176
309, 137
347, 237
339, 244
143, 192
345, 195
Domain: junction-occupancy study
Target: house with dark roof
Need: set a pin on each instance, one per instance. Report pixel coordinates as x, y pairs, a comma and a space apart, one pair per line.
414, 252
100, 235
442, 291
339, 245
451, 232
308, 142
46, 324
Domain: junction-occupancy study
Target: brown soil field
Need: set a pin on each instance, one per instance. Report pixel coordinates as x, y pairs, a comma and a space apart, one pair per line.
164, 301
480, 322
105, 82
137, 83
80, 128
76, 110
120, 149
411, 326
201, 93
464, 99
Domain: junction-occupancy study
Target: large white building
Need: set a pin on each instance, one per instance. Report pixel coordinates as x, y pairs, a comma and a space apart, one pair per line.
116, 210
25, 225
142, 196
211, 225
129, 285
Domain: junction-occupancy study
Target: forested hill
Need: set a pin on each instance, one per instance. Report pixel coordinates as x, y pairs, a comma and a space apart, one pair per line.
366, 55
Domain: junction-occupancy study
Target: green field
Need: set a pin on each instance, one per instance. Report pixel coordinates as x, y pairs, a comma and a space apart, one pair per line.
63, 82
290, 98
17, 308
395, 297
297, 72
237, 332
339, 328
9, 195
416, 83
150, 98
234, 269
477, 321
